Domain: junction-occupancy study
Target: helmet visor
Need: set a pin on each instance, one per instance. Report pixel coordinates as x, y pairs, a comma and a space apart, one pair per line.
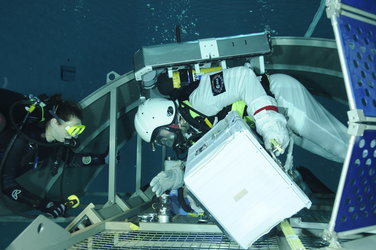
165, 136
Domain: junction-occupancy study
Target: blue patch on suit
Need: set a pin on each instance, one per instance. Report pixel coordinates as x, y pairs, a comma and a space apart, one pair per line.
217, 83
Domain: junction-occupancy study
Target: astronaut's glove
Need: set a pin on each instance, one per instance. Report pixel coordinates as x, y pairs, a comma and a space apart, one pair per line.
171, 164
52, 208
171, 178
272, 126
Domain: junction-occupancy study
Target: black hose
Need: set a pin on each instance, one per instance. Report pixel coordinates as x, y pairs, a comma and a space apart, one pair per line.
62, 176
182, 201
10, 145
19, 129
177, 33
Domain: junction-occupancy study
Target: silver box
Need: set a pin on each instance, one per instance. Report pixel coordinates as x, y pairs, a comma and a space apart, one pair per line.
239, 184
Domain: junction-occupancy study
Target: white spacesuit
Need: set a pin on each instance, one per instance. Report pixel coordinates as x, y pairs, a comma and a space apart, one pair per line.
313, 127
293, 109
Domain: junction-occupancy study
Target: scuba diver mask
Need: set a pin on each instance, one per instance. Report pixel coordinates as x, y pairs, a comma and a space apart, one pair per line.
76, 130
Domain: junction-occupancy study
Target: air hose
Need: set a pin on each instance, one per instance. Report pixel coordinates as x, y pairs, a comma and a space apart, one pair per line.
19, 128
182, 201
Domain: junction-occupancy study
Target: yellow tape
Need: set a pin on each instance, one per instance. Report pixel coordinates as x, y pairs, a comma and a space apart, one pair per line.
176, 80
203, 71
276, 145
133, 226
207, 70
292, 239
208, 122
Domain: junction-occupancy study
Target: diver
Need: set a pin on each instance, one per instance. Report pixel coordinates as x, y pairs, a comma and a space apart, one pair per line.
34, 130
278, 107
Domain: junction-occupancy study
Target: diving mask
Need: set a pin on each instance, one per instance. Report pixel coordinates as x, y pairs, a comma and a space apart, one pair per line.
76, 130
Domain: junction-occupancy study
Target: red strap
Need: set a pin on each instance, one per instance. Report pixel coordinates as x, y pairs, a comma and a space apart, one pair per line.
173, 126
274, 108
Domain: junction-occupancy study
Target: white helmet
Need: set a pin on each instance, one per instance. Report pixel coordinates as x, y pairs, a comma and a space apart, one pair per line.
153, 113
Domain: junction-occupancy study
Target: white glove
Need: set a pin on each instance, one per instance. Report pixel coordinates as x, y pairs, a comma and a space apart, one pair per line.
171, 164
272, 126
171, 178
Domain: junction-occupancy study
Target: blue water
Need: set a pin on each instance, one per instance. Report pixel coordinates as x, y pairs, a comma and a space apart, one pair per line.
95, 37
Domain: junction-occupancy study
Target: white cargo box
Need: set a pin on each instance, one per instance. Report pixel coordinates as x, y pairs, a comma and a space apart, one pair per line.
239, 184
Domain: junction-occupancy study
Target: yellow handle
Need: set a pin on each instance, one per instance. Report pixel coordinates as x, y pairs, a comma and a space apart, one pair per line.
292, 239
73, 201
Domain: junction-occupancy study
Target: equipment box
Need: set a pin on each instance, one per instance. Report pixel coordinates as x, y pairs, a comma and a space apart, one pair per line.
239, 184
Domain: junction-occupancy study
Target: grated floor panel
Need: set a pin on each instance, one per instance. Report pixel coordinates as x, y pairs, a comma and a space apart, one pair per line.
167, 240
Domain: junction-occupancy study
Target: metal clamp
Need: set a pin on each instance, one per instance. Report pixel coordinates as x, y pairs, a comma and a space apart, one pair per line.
333, 8
208, 48
358, 122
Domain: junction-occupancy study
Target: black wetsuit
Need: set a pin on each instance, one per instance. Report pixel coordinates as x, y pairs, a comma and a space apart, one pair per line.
27, 155
23, 156
27, 150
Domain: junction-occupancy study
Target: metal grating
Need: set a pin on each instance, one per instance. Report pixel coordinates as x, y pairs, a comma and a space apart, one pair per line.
314, 216
310, 242
359, 43
167, 240
358, 202
365, 5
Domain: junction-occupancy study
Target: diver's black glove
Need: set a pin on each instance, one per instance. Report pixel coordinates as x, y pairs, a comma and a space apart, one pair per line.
52, 208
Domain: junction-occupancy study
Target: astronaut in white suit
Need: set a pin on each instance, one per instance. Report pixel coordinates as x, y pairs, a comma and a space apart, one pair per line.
292, 111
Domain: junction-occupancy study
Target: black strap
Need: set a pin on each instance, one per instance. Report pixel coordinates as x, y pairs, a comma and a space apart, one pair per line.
197, 122
266, 84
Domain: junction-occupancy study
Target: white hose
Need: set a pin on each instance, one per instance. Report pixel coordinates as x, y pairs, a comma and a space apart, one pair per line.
316, 19
289, 163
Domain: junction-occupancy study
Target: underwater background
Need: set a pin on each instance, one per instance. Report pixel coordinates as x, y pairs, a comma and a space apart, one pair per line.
69, 46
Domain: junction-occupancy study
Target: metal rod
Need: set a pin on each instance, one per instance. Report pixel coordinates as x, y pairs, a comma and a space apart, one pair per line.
341, 185
357, 17
112, 147
342, 60
358, 12
138, 162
